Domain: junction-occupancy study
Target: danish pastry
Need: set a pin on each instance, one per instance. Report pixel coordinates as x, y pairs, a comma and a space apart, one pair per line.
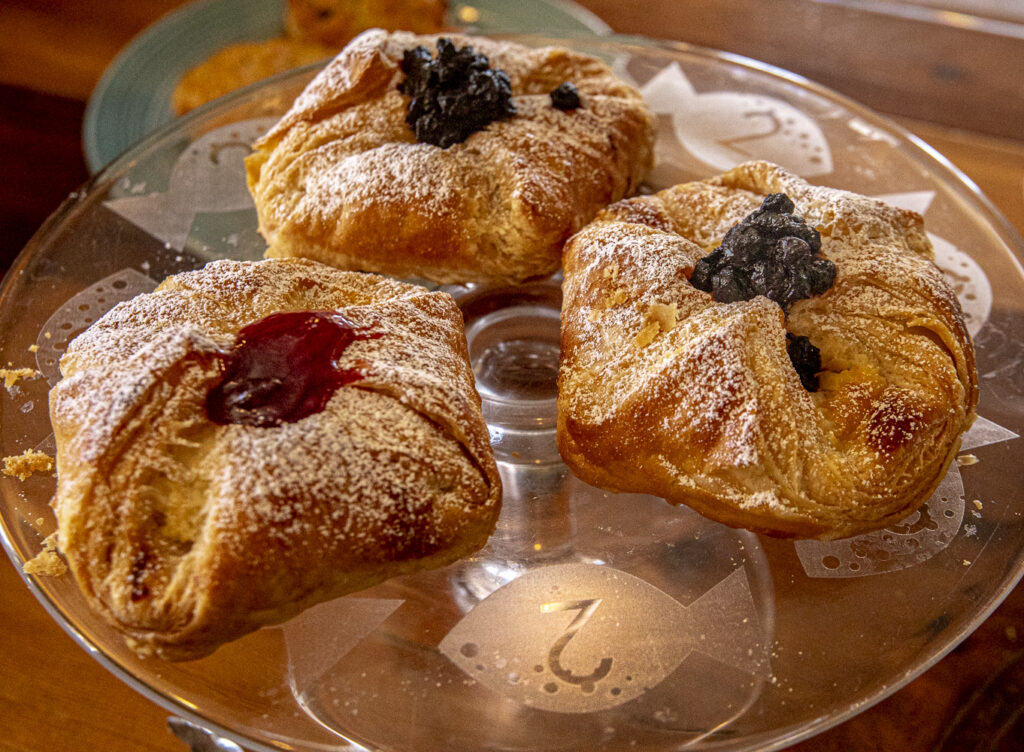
818, 415
241, 64
343, 178
314, 30
336, 22
256, 437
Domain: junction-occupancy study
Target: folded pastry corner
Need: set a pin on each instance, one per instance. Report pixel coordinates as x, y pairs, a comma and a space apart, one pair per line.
796, 366
253, 438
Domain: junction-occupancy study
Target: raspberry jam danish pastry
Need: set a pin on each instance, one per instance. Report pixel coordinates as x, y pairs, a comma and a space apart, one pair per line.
455, 159
780, 357
253, 438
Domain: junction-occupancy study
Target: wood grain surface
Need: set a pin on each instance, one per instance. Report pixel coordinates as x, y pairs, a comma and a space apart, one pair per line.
970, 107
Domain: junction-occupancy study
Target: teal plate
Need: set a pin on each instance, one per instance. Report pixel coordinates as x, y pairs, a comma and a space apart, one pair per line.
133, 97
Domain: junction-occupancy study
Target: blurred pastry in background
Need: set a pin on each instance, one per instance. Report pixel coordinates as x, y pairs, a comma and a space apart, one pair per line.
336, 22
313, 30
238, 65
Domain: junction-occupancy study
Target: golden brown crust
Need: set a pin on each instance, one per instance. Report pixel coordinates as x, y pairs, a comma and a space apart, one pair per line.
341, 178
664, 391
185, 534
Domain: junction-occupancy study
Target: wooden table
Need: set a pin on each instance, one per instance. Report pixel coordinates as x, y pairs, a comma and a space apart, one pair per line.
969, 105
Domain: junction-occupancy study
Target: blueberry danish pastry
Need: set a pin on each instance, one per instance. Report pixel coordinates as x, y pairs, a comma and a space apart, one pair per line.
779, 356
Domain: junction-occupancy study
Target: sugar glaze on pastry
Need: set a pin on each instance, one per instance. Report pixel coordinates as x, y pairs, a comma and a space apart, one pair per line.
664, 391
342, 179
185, 534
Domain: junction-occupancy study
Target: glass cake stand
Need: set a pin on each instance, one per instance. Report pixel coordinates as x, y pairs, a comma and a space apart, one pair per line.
591, 621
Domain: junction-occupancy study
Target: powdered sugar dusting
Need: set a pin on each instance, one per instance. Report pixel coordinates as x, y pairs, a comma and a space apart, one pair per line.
392, 173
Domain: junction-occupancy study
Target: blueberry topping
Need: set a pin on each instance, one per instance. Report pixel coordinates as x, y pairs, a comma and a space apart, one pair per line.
806, 359
565, 97
453, 95
772, 252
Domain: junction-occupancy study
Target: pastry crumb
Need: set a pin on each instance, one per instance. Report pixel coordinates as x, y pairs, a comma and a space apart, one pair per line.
646, 336
964, 460
33, 348
616, 298
47, 562
665, 315
977, 503
21, 466
660, 318
12, 376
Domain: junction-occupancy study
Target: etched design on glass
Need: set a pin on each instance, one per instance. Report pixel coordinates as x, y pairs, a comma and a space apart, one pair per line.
586, 610
580, 638
80, 311
968, 280
208, 177
916, 539
962, 272
724, 128
985, 432
321, 636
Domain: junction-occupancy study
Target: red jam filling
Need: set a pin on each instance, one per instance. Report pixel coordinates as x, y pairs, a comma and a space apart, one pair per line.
284, 368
